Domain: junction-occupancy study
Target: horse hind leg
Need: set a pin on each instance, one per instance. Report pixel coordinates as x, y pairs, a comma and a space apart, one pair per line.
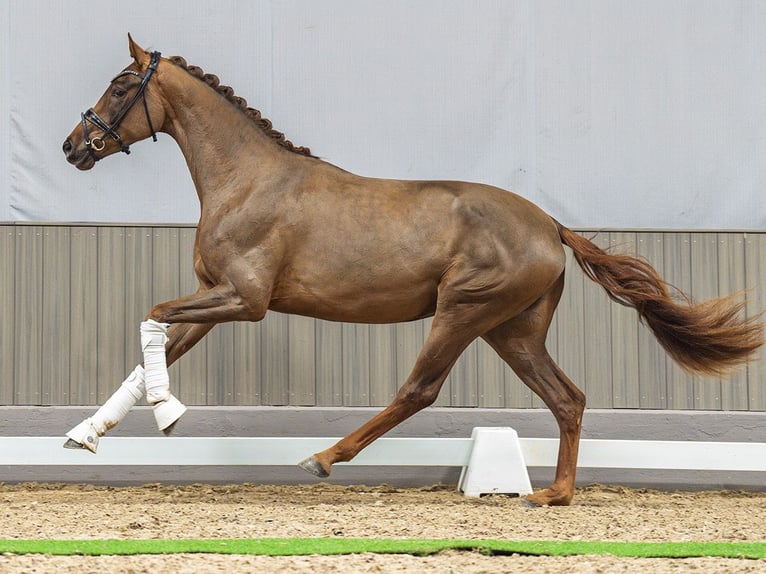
442, 348
520, 342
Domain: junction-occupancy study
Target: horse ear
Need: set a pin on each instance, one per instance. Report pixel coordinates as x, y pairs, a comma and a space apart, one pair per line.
138, 53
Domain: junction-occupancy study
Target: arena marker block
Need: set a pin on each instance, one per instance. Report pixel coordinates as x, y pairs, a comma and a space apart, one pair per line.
496, 464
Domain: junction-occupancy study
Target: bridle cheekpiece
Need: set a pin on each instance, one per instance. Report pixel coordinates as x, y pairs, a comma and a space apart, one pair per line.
110, 130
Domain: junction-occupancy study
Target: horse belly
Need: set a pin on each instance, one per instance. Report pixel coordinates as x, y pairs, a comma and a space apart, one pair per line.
351, 295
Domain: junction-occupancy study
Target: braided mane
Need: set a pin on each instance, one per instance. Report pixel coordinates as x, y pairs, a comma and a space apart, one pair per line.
254, 115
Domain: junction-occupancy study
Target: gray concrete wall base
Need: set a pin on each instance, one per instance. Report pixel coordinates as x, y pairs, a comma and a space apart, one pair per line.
434, 422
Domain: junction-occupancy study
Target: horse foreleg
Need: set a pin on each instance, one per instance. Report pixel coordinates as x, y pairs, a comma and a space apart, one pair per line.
166, 407
86, 434
206, 307
442, 348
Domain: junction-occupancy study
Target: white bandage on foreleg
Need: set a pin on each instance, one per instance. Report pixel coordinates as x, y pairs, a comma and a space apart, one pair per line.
118, 405
87, 433
153, 339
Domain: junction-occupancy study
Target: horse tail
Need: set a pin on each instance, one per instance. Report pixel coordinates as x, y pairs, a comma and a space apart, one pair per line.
709, 337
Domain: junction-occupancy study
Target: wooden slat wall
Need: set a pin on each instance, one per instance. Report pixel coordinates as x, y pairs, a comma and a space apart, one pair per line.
7, 315
71, 299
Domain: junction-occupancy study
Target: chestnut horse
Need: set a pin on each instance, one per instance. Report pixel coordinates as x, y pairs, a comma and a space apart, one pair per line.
281, 229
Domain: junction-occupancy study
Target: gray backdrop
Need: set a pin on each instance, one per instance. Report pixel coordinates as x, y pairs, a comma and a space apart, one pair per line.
608, 113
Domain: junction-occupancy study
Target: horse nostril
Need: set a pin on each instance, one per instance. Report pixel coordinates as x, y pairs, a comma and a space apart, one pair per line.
67, 147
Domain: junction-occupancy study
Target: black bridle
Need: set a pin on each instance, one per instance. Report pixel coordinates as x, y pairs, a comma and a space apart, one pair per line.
97, 143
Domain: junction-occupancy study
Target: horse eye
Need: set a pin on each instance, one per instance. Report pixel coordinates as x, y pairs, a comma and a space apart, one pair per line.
118, 93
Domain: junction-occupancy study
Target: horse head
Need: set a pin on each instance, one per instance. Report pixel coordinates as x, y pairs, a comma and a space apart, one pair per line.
127, 112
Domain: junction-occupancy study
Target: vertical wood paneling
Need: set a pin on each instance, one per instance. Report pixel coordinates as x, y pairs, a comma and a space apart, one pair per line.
83, 337
8, 378
755, 277
301, 353
72, 298
355, 352
111, 310
275, 371
28, 315
220, 365
247, 363
138, 290
56, 325
625, 326
383, 373
329, 363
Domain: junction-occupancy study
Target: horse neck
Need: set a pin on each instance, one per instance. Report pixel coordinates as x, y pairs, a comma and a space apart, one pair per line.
217, 140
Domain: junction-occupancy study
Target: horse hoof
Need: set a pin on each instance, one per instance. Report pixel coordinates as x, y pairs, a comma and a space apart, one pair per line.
84, 436
73, 444
546, 498
530, 503
312, 466
167, 412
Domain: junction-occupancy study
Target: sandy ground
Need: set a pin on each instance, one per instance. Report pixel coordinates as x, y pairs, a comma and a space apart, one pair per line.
154, 511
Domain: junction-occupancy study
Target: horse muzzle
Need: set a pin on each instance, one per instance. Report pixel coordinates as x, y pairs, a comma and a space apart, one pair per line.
81, 157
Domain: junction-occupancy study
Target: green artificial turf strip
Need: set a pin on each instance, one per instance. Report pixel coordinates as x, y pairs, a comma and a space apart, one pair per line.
304, 546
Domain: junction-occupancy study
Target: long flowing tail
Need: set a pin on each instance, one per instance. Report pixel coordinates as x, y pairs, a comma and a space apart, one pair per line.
709, 337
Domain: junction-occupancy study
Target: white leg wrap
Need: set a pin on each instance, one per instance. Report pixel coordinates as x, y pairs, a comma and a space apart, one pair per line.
153, 339
87, 433
167, 408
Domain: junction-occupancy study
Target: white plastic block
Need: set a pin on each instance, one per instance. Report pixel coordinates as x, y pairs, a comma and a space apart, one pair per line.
496, 465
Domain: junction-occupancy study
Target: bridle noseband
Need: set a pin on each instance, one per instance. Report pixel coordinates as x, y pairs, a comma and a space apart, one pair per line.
97, 143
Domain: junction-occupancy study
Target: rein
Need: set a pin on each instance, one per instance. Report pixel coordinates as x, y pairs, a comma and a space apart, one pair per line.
97, 143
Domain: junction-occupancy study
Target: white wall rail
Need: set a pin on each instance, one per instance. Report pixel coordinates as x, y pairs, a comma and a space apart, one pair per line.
485, 457
276, 451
